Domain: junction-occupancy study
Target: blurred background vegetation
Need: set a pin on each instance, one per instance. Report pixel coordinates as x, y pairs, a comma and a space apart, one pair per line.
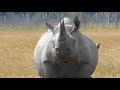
88, 19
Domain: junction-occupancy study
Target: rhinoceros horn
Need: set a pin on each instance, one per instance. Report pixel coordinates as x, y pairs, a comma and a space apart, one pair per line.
62, 35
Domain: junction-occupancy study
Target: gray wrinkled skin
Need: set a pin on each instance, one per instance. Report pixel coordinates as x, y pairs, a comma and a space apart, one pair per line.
64, 52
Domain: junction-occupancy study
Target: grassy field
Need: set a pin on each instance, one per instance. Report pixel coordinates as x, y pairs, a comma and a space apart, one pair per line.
17, 46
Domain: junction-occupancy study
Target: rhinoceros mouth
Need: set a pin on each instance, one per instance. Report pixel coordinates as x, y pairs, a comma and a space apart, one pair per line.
66, 61
64, 58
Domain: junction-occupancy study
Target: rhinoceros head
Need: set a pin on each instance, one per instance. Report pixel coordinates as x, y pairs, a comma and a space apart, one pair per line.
64, 45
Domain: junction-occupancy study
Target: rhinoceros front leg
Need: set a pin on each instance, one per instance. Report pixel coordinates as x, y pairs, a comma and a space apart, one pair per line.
90, 77
85, 70
50, 71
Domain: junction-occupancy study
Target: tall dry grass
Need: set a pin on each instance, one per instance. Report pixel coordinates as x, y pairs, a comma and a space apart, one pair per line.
109, 52
17, 46
16, 52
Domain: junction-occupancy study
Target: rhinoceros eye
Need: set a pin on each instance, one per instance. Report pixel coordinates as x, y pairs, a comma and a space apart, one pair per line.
73, 41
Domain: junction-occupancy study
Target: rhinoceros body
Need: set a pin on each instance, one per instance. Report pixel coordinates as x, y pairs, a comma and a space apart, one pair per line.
64, 52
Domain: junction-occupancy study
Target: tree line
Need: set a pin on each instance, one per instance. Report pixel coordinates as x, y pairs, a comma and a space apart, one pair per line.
37, 18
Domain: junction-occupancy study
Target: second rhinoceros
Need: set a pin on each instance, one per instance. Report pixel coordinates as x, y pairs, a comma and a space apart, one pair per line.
64, 52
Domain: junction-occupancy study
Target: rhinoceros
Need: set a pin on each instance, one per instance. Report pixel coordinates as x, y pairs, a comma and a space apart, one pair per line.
65, 52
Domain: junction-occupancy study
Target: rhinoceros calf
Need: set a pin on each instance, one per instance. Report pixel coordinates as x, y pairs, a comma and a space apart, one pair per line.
64, 52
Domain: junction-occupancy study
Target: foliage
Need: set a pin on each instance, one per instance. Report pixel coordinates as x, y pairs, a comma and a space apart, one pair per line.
37, 18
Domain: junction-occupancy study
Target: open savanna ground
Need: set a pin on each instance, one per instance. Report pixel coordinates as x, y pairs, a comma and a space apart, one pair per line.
17, 47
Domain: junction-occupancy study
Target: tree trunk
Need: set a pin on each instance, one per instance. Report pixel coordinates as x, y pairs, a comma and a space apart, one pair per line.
97, 21
117, 19
84, 18
108, 17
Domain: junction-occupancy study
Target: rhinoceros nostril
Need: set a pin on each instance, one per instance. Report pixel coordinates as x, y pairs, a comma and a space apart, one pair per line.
56, 49
61, 41
68, 49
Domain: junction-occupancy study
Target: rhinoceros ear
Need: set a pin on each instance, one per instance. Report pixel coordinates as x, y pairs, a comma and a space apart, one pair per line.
77, 24
49, 25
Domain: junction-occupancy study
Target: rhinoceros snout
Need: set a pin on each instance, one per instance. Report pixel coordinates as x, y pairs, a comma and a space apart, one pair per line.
62, 52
